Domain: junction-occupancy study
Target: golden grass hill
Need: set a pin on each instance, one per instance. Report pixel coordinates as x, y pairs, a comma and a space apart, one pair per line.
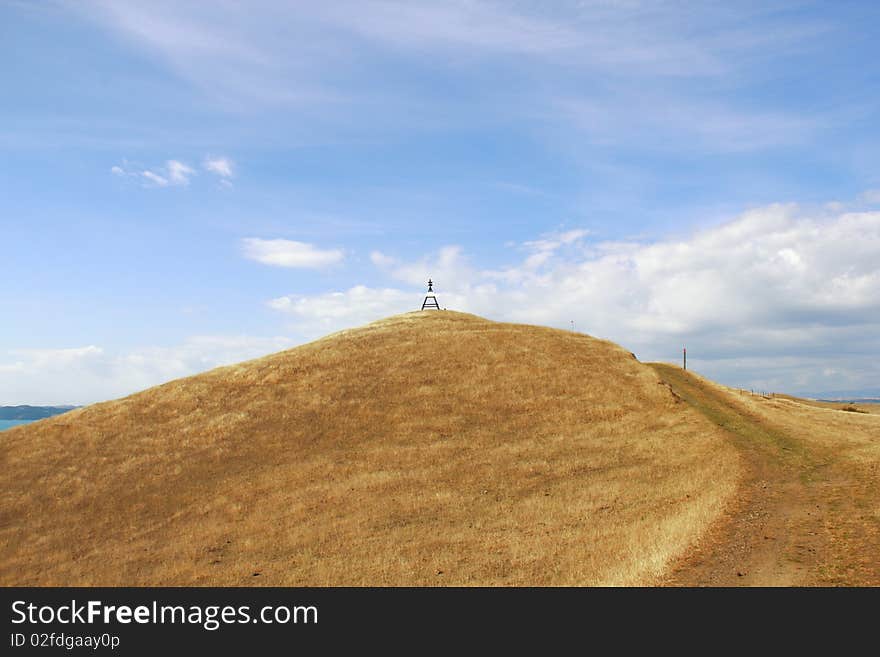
440, 448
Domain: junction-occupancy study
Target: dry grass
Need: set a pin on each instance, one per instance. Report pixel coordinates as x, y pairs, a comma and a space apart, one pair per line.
873, 409
426, 449
829, 430
835, 455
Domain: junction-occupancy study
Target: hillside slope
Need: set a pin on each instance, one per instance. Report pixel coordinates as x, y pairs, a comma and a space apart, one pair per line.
425, 449
808, 507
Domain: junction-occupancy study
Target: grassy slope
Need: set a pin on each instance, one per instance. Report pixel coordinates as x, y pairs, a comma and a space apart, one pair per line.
429, 448
809, 509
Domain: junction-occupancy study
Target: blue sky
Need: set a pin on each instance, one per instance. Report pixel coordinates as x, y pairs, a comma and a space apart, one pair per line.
188, 184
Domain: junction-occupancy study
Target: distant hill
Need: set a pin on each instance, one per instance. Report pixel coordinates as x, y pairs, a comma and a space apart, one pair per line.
31, 412
430, 448
866, 395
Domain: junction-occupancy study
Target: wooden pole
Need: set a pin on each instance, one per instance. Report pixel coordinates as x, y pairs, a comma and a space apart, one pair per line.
684, 355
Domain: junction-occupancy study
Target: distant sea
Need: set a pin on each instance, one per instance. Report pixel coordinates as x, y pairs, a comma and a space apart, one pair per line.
8, 424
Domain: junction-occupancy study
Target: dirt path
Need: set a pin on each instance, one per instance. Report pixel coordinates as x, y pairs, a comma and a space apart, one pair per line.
792, 523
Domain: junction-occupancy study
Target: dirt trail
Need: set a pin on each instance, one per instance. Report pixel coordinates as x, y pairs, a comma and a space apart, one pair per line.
793, 522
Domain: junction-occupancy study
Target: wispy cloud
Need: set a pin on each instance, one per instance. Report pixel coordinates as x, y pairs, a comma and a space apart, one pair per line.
646, 38
483, 26
574, 58
178, 172
154, 178
684, 123
221, 166
544, 248
173, 173
289, 253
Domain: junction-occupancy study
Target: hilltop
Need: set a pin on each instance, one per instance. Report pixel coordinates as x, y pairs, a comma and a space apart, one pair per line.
428, 448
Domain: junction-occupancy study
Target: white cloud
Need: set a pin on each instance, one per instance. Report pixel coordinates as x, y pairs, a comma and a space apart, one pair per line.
775, 299
178, 172
155, 178
289, 253
88, 374
323, 313
173, 173
49, 357
221, 166
771, 285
